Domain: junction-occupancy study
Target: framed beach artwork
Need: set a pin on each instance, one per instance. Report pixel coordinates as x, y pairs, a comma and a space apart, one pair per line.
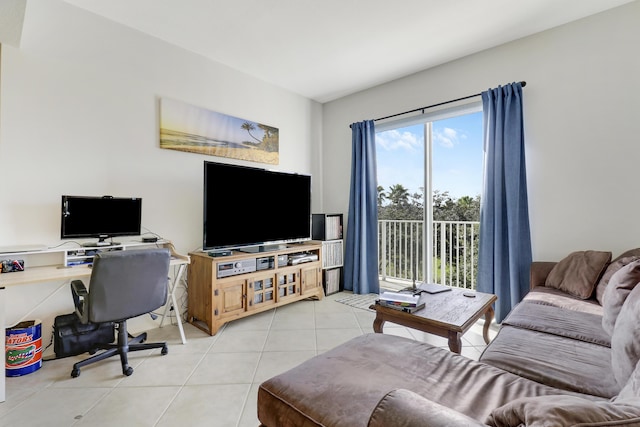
185, 127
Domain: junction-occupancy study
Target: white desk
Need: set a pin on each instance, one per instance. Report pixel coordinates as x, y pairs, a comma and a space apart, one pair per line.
173, 284
52, 273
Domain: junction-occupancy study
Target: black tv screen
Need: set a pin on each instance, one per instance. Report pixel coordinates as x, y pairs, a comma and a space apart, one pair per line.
100, 217
245, 206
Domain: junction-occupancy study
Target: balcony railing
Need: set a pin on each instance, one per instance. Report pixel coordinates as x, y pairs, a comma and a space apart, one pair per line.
454, 249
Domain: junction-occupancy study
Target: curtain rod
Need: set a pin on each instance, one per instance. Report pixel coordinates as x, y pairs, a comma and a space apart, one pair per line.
523, 83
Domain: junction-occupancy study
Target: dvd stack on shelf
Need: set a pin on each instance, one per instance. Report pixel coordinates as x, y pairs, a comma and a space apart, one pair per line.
332, 280
328, 229
331, 253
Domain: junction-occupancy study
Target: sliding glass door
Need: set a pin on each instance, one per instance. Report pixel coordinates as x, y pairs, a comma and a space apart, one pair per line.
429, 185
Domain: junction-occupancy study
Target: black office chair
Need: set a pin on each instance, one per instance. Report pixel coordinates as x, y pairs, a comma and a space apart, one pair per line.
123, 284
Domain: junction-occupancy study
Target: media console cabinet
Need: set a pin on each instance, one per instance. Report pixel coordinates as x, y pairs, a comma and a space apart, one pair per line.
226, 288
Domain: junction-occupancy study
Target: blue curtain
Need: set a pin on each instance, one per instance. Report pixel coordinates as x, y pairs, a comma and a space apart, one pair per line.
361, 247
505, 241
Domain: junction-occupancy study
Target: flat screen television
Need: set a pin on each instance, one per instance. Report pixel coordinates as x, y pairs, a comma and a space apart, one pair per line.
100, 217
254, 209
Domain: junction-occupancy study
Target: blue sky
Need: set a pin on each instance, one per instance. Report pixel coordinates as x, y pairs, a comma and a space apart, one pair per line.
183, 117
457, 156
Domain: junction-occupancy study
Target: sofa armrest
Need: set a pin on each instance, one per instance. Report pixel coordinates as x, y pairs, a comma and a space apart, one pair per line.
404, 408
539, 271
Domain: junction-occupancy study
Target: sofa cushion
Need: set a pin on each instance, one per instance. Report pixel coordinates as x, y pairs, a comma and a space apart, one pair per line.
557, 298
635, 252
578, 273
625, 341
563, 322
619, 287
560, 362
612, 268
563, 411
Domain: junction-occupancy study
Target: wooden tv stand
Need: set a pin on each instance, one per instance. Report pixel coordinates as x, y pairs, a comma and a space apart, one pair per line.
215, 299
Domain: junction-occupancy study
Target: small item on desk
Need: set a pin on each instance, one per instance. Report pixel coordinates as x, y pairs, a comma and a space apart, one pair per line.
469, 294
79, 263
150, 239
11, 265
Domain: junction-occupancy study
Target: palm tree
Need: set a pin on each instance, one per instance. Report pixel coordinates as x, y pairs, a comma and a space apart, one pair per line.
381, 195
398, 195
468, 208
248, 126
268, 130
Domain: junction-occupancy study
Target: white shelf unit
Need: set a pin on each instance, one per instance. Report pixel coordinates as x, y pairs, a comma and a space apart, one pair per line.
328, 229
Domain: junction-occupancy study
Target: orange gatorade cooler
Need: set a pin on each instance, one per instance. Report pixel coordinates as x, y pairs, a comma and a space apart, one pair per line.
23, 347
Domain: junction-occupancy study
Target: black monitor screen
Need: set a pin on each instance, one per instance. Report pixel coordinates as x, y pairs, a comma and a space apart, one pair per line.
100, 217
246, 206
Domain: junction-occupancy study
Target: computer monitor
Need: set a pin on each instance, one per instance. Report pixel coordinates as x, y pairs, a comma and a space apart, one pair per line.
100, 217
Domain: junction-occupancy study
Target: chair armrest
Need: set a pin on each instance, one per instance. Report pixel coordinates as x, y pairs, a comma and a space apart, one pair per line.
79, 293
539, 271
404, 408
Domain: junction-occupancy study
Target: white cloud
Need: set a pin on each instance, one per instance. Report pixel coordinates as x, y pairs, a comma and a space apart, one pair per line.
446, 138
452, 133
395, 140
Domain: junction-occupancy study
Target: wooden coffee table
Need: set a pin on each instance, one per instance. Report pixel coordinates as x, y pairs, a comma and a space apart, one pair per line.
447, 314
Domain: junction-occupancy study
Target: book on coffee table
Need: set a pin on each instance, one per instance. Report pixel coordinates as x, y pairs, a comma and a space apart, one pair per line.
396, 306
400, 299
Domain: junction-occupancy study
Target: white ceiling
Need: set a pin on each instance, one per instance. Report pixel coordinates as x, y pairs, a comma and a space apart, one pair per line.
325, 49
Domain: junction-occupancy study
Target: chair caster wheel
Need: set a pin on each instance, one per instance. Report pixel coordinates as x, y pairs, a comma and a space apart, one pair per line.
128, 371
164, 350
75, 373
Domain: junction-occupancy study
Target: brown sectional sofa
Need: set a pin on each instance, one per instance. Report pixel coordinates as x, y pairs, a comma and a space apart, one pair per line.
566, 355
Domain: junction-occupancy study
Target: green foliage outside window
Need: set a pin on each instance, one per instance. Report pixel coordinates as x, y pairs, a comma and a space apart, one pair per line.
457, 242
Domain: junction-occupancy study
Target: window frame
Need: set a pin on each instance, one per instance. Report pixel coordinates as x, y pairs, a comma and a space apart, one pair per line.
427, 119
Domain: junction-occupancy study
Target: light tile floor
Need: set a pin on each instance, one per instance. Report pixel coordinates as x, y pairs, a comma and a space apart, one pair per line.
211, 381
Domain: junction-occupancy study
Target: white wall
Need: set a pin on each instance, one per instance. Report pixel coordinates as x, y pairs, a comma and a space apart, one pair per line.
11, 19
79, 114
582, 127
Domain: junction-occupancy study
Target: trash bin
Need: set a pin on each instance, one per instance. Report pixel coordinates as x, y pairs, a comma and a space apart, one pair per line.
23, 347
